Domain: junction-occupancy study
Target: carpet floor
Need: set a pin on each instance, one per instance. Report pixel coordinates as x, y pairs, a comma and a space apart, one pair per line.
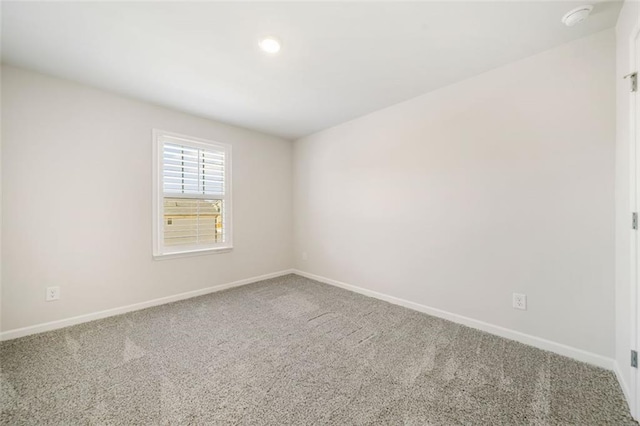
291, 351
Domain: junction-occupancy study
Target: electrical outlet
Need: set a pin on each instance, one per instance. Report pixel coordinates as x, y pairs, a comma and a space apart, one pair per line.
304, 255
519, 301
53, 293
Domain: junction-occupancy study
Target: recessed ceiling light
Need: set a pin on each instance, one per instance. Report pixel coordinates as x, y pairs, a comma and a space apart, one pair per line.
270, 44
577, 15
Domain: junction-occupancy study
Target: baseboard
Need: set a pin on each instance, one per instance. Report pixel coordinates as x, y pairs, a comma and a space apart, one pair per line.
623, 383
54, 325
527, 339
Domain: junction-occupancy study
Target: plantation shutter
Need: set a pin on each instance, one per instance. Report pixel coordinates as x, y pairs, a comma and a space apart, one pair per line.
193, 171
194, 191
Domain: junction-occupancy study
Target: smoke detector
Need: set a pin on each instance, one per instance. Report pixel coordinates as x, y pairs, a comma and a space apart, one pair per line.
576, 15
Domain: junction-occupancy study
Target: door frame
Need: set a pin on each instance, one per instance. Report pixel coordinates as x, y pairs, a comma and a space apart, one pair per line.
634, 204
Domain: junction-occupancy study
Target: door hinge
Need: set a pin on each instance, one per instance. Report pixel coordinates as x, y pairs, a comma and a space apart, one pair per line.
633, 78
634, 220
634, 359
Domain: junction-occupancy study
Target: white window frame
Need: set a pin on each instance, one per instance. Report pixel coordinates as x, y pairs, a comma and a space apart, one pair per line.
160, 251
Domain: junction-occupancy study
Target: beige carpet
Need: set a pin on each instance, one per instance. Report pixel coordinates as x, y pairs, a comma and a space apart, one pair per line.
294, 351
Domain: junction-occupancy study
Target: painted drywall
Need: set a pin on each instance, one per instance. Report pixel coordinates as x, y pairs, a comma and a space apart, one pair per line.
628, 24
456, 199
0, 197
76, 187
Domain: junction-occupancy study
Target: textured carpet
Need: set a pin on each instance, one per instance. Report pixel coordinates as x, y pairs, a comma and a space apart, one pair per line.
293, 351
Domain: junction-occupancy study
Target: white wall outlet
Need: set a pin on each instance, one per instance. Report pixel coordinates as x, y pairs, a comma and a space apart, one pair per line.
53, 293
519, 301
304, 255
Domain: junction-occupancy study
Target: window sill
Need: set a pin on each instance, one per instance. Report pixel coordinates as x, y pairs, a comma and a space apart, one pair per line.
202, 252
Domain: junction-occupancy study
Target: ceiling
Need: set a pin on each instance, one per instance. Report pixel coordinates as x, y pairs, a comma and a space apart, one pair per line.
339, 60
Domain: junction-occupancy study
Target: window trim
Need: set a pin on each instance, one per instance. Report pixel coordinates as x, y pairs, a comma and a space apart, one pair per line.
159, 250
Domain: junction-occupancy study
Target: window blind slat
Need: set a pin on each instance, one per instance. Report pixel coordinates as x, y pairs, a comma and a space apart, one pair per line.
173, 148
193, 189
173, 174
191, 179
179, 161
192, 167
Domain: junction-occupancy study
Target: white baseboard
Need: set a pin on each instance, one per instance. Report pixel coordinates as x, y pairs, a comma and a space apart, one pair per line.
626, 390
623, 383
527, 339
54, 325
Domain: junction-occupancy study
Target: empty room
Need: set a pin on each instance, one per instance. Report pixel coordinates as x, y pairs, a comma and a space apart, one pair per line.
319, 213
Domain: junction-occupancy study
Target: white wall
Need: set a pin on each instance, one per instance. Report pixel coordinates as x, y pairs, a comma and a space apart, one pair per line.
456, 199
628, 22
0, 196
76, 201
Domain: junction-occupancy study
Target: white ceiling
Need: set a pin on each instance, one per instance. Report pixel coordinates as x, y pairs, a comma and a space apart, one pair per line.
339, 60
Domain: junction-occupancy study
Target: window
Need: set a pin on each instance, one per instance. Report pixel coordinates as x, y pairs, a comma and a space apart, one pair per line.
192, 200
